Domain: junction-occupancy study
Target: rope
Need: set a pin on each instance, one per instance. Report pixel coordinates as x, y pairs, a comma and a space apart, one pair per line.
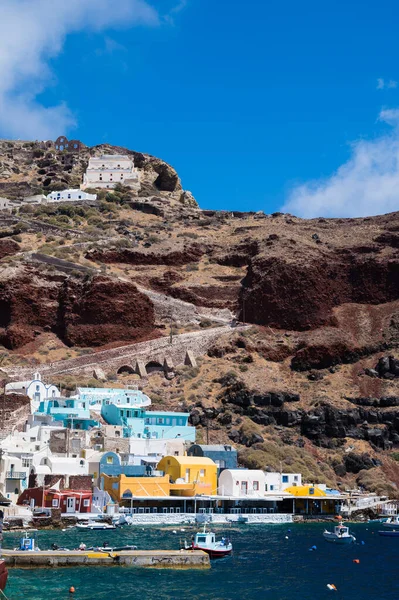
3, 594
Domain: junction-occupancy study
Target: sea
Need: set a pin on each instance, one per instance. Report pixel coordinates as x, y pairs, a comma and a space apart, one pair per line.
269, 562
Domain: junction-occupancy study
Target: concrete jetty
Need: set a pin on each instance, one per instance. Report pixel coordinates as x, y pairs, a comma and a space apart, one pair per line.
164, 559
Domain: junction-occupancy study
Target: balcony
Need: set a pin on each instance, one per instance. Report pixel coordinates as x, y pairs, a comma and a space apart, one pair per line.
15, 475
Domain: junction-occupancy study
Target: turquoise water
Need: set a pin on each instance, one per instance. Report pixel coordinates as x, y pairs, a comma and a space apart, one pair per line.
264, 566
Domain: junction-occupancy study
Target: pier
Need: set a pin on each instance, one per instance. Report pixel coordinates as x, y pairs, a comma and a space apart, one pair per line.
161, 559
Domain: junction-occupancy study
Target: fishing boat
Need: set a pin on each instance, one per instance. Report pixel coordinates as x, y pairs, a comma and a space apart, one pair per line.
3, 575
95, 525
389, 533
392, 522
340, 535
206, 541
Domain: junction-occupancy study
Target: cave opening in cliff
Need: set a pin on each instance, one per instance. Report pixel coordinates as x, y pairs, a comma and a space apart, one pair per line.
153, 367
125, 370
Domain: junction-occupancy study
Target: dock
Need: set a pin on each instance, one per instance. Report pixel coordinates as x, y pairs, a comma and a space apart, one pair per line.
158, 559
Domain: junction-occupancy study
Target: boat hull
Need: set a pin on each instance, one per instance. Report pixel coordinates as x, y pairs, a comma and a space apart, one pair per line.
388, 533
3, 575
335, 539
391, 526
215, 553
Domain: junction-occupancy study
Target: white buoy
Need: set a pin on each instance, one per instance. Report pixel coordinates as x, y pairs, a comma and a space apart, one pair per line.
331, 586
286, 537
174, 531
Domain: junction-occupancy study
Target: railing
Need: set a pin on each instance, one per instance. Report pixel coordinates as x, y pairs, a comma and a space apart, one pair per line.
15, 475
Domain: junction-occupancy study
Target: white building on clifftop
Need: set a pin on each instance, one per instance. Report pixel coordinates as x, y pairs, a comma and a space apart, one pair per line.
109, 169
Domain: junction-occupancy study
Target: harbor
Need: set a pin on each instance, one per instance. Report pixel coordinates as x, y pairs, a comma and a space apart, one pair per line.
165, 559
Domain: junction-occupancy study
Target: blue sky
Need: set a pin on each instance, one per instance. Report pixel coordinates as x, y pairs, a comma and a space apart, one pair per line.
259, 105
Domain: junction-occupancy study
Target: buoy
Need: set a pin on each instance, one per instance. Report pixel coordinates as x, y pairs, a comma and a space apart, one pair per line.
71, 590
289, 531
174, 531
286, 537
331, 586
356, 561
362, 543
312, 548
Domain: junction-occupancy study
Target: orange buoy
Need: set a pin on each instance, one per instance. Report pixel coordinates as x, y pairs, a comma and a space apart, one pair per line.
356, 561
71, 590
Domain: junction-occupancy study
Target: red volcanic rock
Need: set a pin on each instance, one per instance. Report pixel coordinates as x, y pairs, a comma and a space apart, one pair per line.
300, 295
8, 247
28, 304
173, 258
103, 310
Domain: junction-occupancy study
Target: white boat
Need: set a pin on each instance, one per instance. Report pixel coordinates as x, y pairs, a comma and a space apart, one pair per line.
392, 523
93, 525
206, 541
340, 535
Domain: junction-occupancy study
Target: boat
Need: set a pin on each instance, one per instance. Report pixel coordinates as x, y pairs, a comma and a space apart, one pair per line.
3, 575
27, 544
95, 525
389, 533
206, 541
392, 522
340, 535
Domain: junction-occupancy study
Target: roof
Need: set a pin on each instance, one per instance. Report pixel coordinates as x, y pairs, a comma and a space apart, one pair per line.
215, 447
190, 460
243, 472
304, 490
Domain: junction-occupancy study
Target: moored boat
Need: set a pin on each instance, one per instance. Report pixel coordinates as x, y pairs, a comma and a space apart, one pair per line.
206, 541
95, 525
392, 523
3, 575
340, 535
389, 533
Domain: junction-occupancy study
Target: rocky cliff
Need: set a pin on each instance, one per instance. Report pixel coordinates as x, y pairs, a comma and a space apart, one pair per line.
312, 384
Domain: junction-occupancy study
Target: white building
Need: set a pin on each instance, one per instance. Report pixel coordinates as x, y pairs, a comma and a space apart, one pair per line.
109, 169
237, 483
35, 389
278, 482
5, 204
70, 196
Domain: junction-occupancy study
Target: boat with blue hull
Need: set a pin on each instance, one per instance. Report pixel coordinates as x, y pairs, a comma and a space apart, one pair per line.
340, 535
392, 533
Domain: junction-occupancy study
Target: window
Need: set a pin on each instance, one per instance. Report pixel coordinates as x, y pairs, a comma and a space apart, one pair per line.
86, 502
37, 388
271, 488
295, 477
110, 460
69, 196
256, 486
26, 463
80, 197
160, 421
285, 478
202, 472
117, 434
55, 503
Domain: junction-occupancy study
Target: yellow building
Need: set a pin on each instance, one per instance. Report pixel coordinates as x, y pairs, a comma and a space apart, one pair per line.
122, 486
306, 491
190, 475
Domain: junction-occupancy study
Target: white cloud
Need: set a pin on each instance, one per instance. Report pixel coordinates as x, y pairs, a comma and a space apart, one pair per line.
31, 33
386, 85
367, 184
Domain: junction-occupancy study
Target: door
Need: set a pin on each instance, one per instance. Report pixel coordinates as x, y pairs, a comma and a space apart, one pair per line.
71, 504
244, 487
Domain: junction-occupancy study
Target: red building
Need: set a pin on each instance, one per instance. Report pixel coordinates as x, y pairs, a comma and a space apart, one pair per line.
68, 501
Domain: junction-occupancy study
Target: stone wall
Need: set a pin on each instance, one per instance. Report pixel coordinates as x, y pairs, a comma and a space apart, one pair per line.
189, 518
111, 360
80, 482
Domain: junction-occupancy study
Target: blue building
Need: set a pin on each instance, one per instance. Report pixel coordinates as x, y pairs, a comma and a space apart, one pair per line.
72, 412
140, 423
95, 398
224, 456
112, 465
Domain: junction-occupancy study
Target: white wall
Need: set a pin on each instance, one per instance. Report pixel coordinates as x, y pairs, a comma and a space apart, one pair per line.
108, 170
70, 196
241, 482
277, 482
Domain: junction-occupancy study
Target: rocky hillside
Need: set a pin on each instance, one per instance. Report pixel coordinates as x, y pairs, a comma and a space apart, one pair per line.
312, 384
